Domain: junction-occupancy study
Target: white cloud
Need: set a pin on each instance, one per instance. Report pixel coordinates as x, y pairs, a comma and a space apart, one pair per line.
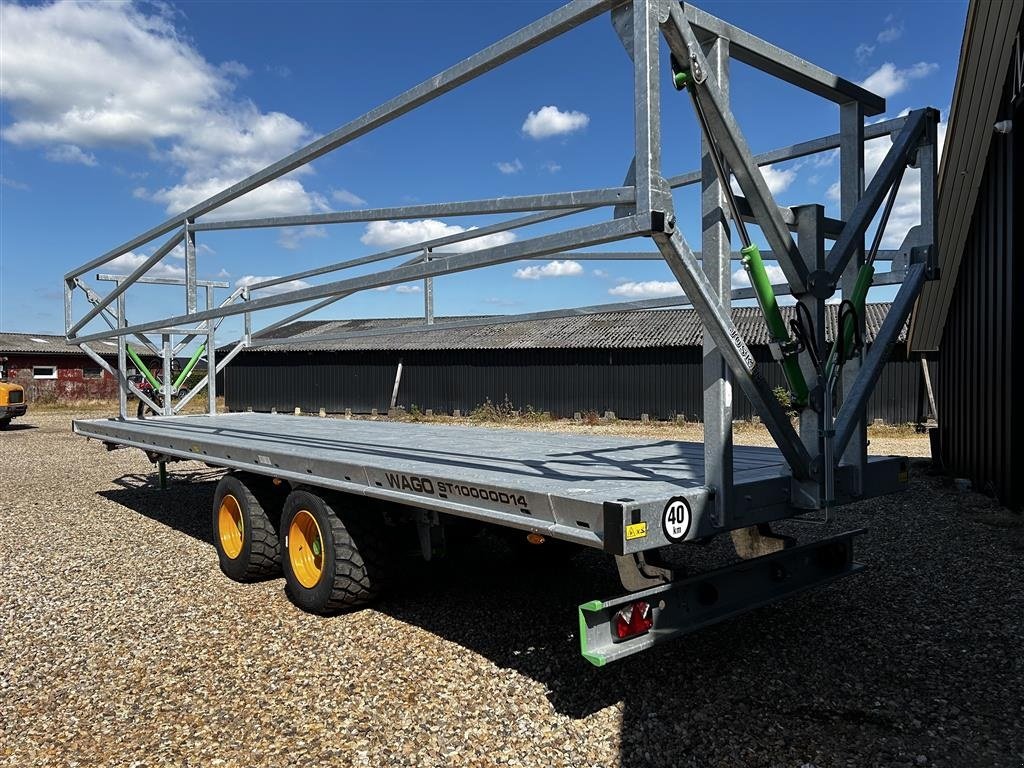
648, 289
291, 238
291, 285
94, 74
892, 32
567, 268
278, 198
906, 211
235, 69
395, 234
551, 121
13, 183
345, 197
69, 153
509, 168
863, 52
129, 262
775, 275
407, 289
777, 179
551, 166
602, 273
888, 80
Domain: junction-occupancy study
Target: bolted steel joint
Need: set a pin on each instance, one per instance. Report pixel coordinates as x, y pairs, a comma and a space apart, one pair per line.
821, 284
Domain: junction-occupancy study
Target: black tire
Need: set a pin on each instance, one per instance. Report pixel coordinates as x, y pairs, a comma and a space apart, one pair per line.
354, 559
259, 555
5, 422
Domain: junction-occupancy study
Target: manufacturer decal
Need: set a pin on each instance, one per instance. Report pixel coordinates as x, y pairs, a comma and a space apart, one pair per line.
676, 520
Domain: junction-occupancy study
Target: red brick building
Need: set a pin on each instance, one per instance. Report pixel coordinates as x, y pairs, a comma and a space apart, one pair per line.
50, 369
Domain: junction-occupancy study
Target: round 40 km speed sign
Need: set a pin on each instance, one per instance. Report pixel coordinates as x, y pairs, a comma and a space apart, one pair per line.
676, 520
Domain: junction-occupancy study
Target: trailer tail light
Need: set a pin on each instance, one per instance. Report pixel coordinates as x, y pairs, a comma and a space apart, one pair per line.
633, 620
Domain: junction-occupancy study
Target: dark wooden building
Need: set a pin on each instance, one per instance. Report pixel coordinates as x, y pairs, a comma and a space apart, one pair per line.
973, 318
630, 363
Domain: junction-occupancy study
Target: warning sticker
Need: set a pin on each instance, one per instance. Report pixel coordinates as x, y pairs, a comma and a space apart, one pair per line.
636, 531
676, 521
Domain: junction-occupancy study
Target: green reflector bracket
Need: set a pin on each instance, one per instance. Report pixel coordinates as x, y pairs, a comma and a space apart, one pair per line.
593, 658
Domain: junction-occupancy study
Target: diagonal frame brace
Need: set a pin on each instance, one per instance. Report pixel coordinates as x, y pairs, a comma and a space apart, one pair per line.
718, 323
122, 286
888, 173
871, 369
734, 149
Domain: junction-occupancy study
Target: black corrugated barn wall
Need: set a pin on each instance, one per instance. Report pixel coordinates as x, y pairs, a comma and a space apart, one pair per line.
981, 418
661, 382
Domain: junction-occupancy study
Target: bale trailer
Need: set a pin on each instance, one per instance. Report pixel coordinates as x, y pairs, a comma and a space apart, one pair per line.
320, 499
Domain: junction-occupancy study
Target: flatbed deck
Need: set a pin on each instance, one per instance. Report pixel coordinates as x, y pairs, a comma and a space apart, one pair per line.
574, 487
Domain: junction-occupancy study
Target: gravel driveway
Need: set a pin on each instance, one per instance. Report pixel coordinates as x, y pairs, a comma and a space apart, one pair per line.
121, 644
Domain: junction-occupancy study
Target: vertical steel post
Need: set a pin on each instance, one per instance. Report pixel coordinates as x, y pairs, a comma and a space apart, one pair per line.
647, 102
851, 188
122, 361
165, 353
810, 220
398, 381
69, 293
428, 293
190, 267
926, 160
247, 317
211, 359
717, 265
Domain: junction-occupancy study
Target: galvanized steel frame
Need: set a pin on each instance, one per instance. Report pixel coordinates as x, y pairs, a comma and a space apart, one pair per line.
642, 207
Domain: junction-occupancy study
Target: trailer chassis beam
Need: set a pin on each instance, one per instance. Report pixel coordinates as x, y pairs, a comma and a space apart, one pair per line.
699, 601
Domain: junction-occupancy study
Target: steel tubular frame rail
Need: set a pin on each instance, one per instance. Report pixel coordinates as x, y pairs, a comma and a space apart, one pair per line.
642, 207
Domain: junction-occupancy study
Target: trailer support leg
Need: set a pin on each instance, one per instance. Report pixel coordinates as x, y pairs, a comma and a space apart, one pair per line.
162, 471
759, 540
643, 570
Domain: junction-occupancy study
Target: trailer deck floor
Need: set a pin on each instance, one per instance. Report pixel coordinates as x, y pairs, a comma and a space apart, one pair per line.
563, 484
607, 466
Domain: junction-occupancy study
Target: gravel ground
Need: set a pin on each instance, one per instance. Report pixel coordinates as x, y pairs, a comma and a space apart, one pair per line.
121, 644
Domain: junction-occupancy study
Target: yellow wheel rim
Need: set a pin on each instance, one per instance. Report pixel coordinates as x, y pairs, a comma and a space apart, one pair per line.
306, 549
230, 527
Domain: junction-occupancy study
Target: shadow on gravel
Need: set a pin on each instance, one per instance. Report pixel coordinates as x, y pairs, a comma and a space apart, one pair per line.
16, 427
916, 661
185, 506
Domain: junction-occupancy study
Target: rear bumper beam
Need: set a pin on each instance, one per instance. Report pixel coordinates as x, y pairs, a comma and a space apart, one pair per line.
707, 598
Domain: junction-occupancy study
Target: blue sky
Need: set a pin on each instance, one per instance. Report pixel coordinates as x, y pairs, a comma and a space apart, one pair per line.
115, 116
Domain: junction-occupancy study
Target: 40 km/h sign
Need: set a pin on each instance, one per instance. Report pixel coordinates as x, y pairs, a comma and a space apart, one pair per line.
676, 520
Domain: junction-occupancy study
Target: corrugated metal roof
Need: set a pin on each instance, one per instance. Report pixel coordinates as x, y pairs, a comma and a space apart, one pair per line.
984, 61
48, 344
610, 330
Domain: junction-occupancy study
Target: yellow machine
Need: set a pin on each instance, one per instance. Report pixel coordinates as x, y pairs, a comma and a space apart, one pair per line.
12, 397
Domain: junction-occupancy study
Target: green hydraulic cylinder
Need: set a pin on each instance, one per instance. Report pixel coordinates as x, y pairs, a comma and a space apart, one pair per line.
859, 300
750, 257
143, 369
189, 366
